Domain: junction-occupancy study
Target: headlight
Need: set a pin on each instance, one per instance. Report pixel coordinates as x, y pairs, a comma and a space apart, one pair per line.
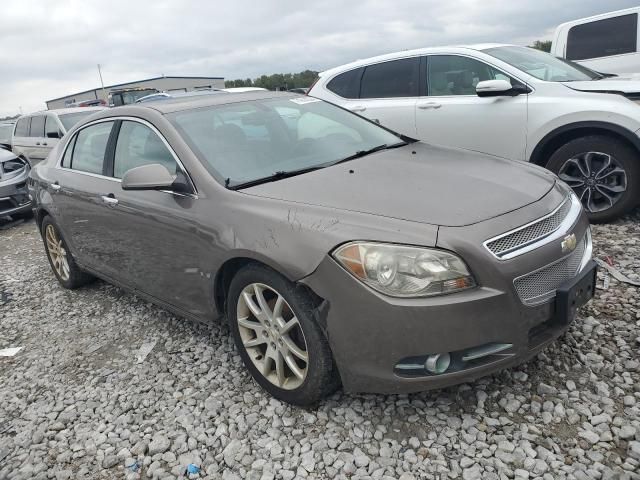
403, 271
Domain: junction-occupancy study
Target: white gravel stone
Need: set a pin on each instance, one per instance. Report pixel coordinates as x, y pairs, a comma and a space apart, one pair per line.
590, 436
159, 444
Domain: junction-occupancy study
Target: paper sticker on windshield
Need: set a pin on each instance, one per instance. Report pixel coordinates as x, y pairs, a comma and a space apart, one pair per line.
304, 100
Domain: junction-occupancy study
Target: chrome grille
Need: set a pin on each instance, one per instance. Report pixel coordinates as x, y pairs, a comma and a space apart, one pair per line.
530, 233
540, 286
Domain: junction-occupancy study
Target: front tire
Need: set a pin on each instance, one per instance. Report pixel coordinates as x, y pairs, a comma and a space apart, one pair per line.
62, 263
604, 172
280, 344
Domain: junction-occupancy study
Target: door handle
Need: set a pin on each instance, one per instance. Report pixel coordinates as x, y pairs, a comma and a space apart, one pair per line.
429, 105
358, 108
37, 143
55, 187
110, 200
44, 144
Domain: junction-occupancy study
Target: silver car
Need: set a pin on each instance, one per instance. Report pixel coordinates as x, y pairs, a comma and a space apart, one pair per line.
35, 135
339, 251
14, 196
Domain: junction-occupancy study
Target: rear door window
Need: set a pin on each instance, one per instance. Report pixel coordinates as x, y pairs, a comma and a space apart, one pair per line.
603, 38
66, 159
398, 78
22, 127
347, 84
37, 126
138, 145
90, 148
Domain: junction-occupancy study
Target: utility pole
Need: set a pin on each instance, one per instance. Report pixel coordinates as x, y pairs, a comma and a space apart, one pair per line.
101, 82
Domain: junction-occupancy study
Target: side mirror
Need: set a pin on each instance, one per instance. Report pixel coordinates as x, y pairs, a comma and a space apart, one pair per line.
54, 135
495, 88
148, 177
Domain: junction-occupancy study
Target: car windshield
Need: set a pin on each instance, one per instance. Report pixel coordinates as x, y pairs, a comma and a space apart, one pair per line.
541, 65
70, 119
259, 139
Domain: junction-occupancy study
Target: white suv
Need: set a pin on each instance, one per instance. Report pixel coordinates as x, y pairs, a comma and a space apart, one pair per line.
509, 101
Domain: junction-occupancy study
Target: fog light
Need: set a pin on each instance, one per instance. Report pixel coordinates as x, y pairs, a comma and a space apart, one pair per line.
438, 363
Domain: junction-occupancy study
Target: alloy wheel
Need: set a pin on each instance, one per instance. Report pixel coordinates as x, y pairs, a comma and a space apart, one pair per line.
272, 336
597, 178
57, 253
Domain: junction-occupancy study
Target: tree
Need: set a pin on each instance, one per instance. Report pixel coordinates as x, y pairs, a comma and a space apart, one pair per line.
277, 81
544, 45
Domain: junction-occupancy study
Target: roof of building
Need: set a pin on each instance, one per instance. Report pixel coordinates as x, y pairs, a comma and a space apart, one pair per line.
134, 81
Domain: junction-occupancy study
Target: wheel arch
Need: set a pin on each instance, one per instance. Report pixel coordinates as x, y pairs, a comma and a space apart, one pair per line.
231, 266
560, 136
40, 214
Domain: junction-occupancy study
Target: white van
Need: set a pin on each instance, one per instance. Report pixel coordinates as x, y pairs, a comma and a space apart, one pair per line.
606, 43
35, 135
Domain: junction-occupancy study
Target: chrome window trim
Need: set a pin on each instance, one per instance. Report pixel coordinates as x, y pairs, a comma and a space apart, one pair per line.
130, 119
565, 226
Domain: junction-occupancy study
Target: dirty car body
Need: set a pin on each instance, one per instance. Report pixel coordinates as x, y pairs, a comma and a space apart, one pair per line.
517, 234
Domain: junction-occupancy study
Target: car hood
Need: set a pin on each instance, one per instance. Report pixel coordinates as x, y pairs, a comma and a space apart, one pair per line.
18, 171
420, 183
629, 84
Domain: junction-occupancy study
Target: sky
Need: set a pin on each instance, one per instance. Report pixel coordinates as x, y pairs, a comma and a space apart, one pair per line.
49, 49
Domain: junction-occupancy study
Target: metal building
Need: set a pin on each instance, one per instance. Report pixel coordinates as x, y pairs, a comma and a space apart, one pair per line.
169, 84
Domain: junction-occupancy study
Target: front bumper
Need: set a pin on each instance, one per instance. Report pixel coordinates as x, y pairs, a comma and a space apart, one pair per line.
372, 334
14, 198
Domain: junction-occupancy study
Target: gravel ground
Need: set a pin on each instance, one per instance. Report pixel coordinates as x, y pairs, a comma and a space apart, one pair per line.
76, 403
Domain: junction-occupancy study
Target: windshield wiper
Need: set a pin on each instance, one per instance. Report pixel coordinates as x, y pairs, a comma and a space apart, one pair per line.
605, 75
279, 175
364, 153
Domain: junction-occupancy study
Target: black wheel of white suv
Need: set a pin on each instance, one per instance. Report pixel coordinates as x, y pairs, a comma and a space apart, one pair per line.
279, 341
604, 172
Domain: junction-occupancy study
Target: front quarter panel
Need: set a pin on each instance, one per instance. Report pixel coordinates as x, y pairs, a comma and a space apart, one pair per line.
294, 238
554, 106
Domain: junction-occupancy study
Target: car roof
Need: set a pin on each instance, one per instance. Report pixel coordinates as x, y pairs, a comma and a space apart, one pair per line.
62, 111
166, 95
177, 104
413, 53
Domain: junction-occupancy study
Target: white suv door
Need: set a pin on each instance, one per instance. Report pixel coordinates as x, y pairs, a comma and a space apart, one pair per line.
37, 139
384, 92
453, 114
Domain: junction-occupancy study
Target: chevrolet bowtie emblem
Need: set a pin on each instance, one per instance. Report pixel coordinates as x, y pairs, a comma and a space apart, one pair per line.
569, 243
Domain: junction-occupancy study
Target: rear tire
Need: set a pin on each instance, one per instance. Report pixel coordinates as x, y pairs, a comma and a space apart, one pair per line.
259, 328
64, 267
603, 171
